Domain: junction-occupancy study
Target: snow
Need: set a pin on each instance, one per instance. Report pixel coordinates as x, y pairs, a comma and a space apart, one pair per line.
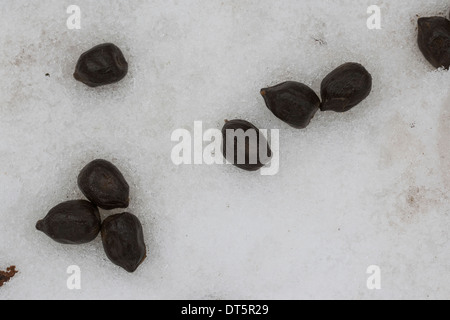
368, 187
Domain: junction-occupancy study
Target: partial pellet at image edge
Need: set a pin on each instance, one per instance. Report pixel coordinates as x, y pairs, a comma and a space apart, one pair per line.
434, 40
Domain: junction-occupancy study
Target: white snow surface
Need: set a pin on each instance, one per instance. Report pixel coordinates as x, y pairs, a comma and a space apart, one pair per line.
367, 187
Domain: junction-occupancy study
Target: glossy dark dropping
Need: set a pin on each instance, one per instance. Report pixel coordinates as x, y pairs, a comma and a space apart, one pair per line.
434, 40
104, 185
72, 222
102, 65
123, 241
345, 87
292, 102
251, 150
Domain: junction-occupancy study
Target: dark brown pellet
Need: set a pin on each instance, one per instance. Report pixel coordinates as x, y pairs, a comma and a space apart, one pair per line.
434, 40
104, 185
123, 241
292, 102
345, 87
72, 222
248, 154
102, 65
